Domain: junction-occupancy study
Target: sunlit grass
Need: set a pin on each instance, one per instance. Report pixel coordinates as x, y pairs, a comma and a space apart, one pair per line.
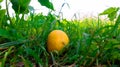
92, 42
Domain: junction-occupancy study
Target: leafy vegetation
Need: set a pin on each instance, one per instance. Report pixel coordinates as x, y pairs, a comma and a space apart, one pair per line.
93, 41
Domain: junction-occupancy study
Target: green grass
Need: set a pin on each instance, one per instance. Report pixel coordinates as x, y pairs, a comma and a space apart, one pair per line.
92, 42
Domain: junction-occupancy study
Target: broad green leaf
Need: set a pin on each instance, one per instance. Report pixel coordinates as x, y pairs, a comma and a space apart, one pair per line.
46, 3
1, 0
111, 12
20, 6
112, 15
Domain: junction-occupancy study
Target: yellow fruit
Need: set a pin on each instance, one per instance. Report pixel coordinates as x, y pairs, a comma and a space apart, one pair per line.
57, 40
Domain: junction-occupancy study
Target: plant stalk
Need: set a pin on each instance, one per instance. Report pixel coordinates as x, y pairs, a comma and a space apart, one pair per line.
8, 12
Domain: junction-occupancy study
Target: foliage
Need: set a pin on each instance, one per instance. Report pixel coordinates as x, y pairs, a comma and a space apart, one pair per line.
19, 7
111, 12
46, 3
1, 0
93, 41
2, 14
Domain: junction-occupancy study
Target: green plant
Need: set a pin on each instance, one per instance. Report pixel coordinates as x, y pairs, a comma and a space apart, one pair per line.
93, 41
